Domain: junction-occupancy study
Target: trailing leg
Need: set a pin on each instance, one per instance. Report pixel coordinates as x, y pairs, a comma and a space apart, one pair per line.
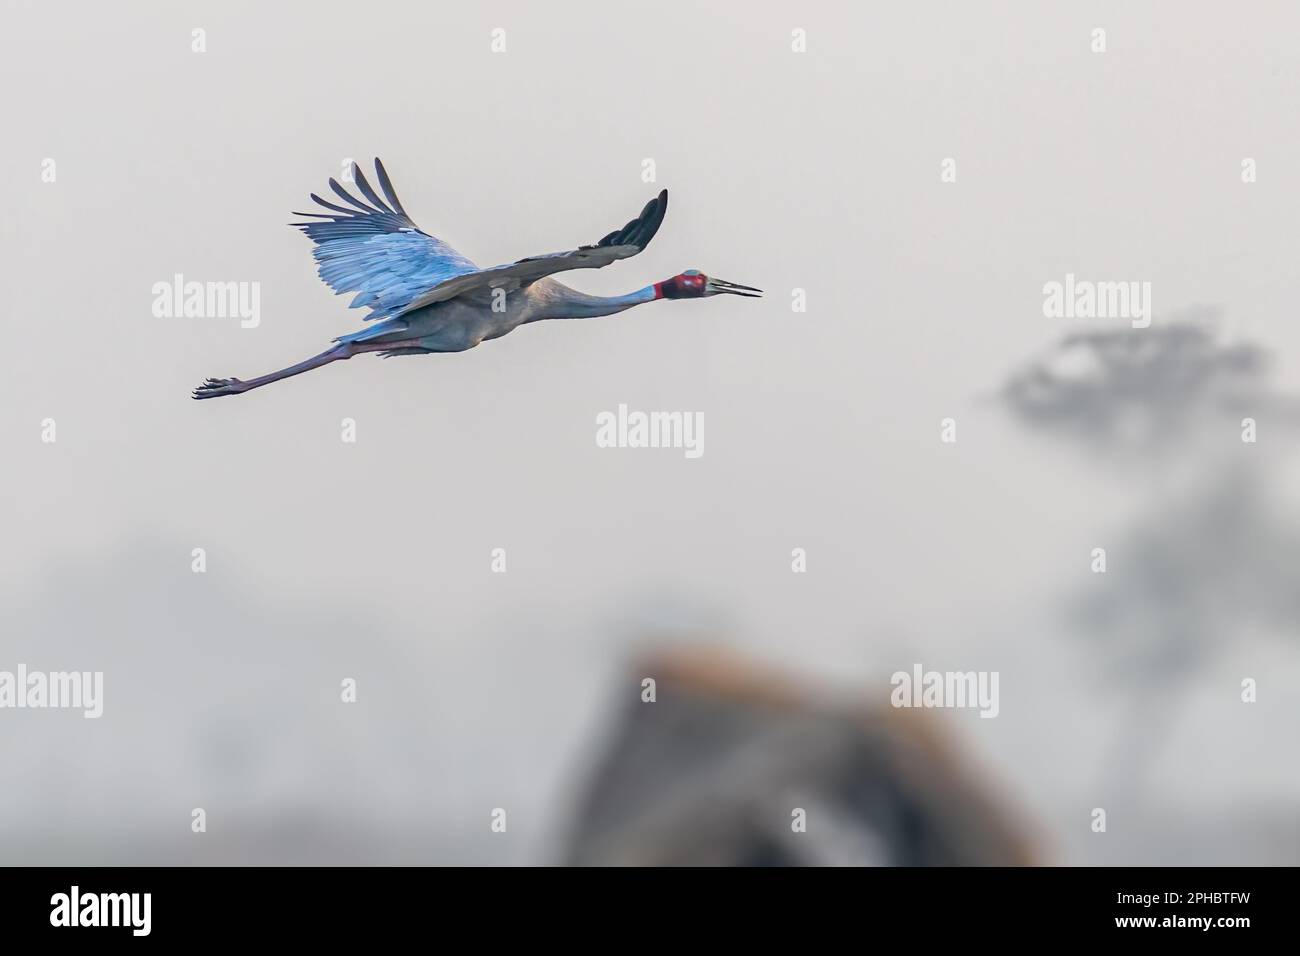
217, 387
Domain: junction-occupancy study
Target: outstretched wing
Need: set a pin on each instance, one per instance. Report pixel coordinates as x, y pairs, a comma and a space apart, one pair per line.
375, 250
619, 244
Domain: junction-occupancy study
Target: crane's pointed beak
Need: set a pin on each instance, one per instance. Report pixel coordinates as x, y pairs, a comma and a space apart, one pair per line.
721, 286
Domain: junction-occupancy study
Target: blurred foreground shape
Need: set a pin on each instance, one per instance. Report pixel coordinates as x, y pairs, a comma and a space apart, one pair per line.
712, 771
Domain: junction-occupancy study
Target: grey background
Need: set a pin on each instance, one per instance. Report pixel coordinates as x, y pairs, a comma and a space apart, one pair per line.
818, 171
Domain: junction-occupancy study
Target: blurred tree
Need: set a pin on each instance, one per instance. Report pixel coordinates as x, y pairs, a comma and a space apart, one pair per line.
1211, 559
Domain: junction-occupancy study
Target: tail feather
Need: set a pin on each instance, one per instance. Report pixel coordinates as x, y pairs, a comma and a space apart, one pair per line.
387, 327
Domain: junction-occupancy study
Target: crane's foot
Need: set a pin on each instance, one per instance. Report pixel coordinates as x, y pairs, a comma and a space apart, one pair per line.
216, 387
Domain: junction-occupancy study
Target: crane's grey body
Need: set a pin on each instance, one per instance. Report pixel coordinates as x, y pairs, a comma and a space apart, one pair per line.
462, 323
456, 325
425, 297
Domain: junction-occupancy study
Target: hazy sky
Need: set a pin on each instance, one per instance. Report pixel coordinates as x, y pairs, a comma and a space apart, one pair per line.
817, 170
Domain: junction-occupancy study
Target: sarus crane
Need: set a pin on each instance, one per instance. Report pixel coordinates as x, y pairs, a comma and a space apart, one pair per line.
426, 297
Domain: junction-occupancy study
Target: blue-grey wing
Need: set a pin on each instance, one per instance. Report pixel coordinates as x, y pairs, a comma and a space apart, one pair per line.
375, 250
619, 244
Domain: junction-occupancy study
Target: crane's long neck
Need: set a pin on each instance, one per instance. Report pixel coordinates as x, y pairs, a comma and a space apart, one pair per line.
569, 303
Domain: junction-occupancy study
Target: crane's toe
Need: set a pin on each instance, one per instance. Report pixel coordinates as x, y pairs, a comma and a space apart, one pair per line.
216, 387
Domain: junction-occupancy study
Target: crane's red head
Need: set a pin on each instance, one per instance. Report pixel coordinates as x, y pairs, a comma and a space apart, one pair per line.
693, 284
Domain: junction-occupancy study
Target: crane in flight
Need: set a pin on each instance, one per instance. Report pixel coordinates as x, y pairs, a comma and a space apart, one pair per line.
425, 297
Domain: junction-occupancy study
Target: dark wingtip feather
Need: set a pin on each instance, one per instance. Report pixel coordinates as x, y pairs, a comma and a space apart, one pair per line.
348, 197
364, 185
329, 205
642, 229
386, 185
